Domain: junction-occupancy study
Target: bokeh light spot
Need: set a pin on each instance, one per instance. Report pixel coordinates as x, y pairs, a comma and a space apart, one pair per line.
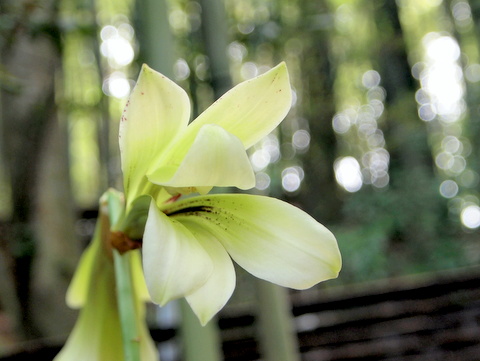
249, 70
341, 123
301, 139
291, 182
260, 159
347, 173
262, 181
292, 178
181, 70
444, 160
448, 189
117, 85
472, 73
470, 216
370, 79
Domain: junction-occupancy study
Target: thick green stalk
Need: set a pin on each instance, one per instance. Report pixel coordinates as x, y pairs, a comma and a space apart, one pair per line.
215, 38
199, 343
125, 291
278, 341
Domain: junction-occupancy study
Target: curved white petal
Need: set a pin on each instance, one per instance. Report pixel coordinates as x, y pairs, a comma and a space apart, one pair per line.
174, 263
216, 158
214, 294
271, 239
156, 112
78, 288
252, 109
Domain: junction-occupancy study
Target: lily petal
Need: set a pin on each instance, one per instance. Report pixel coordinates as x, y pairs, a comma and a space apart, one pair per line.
216, 158
213, 295
138, 278
98, 324
252, 109
174, 263
78, 289
157, 111
269, 238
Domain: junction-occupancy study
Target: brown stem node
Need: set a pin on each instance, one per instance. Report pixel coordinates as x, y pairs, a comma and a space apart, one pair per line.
122, 243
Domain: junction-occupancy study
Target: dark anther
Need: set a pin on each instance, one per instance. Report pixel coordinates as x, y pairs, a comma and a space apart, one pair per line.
196, 209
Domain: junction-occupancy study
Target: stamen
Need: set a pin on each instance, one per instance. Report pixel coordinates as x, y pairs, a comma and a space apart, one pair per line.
191, 210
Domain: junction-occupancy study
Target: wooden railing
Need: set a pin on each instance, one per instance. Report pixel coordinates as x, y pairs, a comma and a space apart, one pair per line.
428, 318
434, 317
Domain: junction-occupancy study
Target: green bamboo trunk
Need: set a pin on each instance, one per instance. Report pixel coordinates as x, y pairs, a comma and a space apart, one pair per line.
278, 340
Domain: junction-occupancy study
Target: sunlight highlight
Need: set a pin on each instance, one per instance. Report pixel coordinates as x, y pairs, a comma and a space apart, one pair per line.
117, 85
116, 46
348, 175
470, 216
362, 122
441, 79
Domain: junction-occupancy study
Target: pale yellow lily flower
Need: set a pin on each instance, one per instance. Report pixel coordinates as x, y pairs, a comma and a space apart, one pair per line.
188, 244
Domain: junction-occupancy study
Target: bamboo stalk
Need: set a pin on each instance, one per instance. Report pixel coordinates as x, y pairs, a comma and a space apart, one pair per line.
278, 340
199, 343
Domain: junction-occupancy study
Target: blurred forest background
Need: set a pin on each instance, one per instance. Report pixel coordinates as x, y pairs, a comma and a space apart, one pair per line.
380, 143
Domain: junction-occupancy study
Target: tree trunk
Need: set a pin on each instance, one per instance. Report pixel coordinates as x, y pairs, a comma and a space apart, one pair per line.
320, 197
419, 214
214, 35
31, 59
473, 91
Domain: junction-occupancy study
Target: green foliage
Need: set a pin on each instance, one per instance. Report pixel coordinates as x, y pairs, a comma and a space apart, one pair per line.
364, 251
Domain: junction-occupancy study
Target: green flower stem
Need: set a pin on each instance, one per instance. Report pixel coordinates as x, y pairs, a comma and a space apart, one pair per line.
126, 306
125, 291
